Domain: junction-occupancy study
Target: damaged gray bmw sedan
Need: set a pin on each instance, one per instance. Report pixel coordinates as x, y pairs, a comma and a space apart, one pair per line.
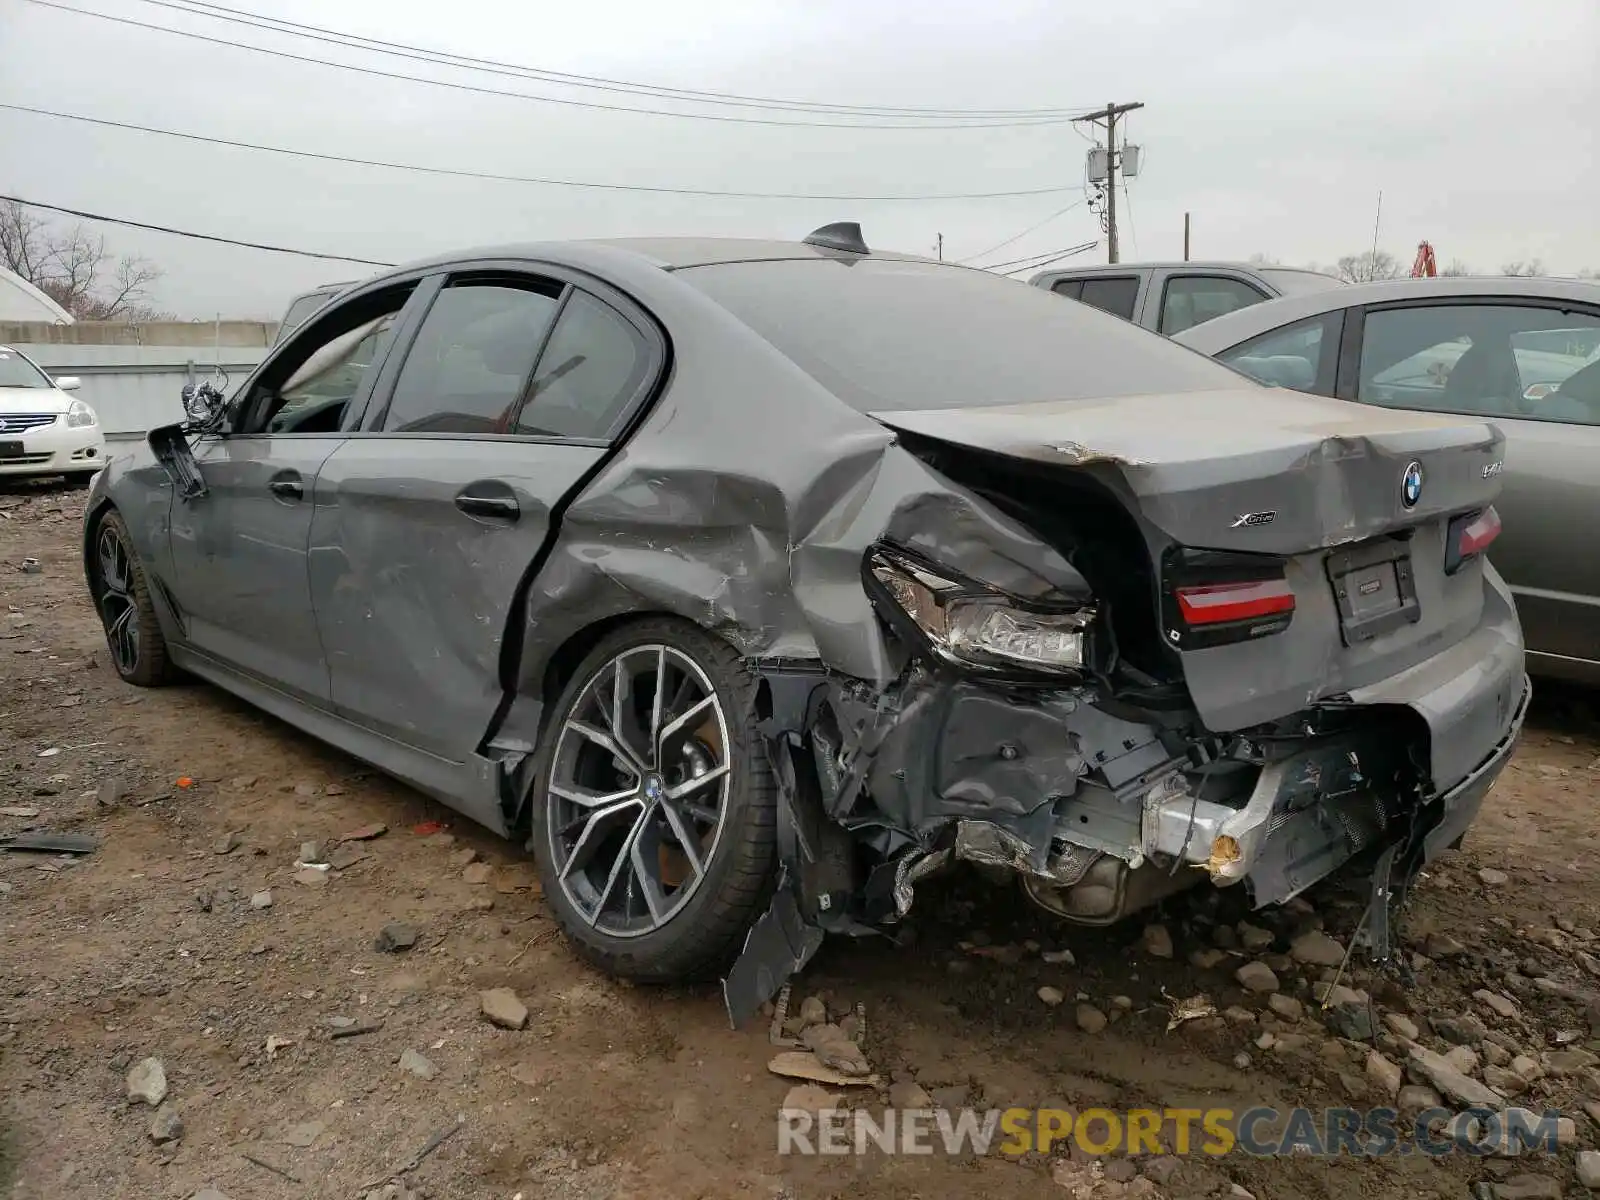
751, 583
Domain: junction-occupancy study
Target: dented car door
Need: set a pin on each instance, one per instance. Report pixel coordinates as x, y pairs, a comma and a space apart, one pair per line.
431, 520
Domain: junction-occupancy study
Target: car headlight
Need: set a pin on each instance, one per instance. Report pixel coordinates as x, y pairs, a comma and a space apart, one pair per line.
966, 622
79, 415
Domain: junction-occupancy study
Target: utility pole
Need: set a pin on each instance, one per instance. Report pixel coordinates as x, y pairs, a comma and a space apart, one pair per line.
1185, 237
1108, 116
938, 246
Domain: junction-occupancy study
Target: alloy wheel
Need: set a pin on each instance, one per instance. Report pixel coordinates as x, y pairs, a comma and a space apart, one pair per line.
638, 790
118, 608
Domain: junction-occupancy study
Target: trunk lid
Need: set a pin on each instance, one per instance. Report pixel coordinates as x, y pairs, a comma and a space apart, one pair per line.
1303, 494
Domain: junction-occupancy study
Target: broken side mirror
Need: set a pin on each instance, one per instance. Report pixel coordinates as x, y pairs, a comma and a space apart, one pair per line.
206, 413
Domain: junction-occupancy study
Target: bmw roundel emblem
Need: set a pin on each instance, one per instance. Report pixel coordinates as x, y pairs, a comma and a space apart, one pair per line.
1411, 485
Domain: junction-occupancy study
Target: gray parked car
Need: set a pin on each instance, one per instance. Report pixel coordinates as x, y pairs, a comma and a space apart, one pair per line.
1521, 353
1172, 296
743, 577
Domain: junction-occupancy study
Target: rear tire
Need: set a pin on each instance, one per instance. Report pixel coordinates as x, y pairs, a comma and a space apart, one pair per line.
654, 806
122, 597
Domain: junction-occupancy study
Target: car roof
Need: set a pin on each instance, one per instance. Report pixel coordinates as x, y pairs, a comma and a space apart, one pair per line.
1176, 265
1219, 333
665, 253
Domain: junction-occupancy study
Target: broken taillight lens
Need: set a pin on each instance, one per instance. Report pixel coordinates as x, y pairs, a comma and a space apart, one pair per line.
1469, 537
1223, 603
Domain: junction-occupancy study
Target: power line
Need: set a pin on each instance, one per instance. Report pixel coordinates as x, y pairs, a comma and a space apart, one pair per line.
1012, 262
186, 233
594, 82
1068, 253
487, 91
499, 178
1030, 229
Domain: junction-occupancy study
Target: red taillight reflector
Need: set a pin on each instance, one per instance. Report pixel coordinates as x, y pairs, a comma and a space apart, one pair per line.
1475, 538
1215, 603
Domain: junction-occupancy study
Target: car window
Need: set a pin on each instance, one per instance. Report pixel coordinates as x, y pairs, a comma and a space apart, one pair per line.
1188, 300
1299, 356
1115, 294
1071, 288
893, 335
18, 372
1506, 360
299, 311
323, 366
594, 365
469, 366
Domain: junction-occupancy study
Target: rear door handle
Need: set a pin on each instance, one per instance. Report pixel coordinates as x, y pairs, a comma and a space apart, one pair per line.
492, 500
286, 485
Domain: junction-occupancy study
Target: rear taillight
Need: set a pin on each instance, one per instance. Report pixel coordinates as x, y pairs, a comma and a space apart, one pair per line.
1216, 598
1220, 603
1469, 536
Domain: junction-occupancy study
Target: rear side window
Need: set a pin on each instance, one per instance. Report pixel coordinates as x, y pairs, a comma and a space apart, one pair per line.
1300, 356
1187, 300
1070, 288
471, 361
887, 335
1500, 360
593, 367
1116, 294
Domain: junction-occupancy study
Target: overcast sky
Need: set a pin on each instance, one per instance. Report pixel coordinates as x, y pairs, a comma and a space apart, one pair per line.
1274, 124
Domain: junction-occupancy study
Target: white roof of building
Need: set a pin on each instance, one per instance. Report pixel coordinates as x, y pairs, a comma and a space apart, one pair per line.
21, 301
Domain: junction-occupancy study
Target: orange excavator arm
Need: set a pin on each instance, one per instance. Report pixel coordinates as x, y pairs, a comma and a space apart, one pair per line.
1425, 266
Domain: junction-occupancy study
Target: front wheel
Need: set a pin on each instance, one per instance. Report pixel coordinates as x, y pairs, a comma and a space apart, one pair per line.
654, 811
122, 595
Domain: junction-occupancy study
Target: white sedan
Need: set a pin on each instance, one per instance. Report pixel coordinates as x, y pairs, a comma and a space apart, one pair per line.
44, 431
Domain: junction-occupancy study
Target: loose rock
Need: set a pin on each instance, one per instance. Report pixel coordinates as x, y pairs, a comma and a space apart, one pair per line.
1051, 996
1449, 1080
1253, 937
1157, 941
395, 938
311, 852
147, 1081
812, 1012
502, 1008
1414, 1098
227, 843
1316, 949
1570, 1061
1090, 1018
1206, 959
415, 1064
1442, 945
1286, 1007
311, 877
1385, 1076
1589, 1168
303, 1135
1493, 877
1257, 977
1502, 1006
261, 900
478, 873
1463, 1029
1059, 958
1401, 1025
907, 1096
166, 1126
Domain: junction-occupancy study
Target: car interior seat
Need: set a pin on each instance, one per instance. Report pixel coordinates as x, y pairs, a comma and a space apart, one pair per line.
1485, 378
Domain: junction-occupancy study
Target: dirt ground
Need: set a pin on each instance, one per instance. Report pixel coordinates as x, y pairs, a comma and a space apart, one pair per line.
153, 946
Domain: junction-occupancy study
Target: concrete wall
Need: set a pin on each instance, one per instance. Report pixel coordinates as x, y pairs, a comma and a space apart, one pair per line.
134, 375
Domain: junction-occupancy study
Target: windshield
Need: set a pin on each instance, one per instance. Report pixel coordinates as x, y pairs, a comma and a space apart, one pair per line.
884, 335
18, 372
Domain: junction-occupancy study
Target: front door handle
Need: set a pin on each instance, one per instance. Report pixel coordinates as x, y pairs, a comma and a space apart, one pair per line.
286, 485
494, 501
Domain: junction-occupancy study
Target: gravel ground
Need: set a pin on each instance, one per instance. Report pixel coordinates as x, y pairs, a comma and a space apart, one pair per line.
192, 938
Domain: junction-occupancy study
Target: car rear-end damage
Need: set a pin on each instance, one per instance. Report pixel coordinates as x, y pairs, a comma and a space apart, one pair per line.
1172, 629
1189, 650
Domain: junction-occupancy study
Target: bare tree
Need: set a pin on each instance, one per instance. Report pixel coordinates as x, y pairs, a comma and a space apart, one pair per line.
1589, 273
1456, 267
1265, 260
1368, 266
74, 268
1531, 267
